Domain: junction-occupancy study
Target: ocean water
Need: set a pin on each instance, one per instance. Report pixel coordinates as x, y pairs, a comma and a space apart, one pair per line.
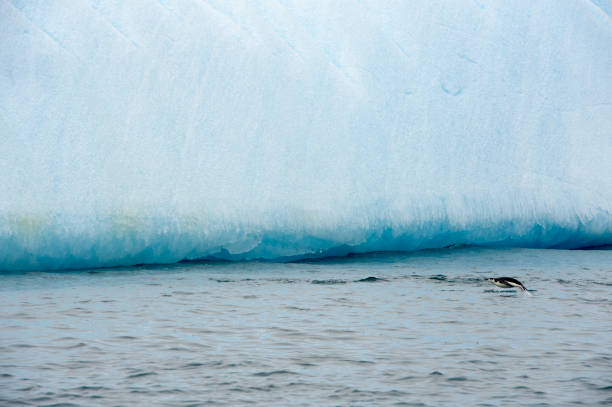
427, 330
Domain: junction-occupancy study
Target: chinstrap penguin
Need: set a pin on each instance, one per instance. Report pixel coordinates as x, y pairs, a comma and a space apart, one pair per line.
506, 282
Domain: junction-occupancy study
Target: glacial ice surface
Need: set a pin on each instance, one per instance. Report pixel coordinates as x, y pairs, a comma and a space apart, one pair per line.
155, 131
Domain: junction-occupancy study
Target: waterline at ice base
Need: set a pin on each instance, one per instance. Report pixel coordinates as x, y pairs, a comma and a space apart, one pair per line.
159, 131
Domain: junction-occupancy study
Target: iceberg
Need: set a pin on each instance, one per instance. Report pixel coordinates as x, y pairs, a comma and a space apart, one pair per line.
159, 131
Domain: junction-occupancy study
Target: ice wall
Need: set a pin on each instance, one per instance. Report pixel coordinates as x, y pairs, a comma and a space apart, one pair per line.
153, 131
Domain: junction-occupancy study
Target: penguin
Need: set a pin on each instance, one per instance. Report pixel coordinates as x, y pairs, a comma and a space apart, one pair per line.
506, 282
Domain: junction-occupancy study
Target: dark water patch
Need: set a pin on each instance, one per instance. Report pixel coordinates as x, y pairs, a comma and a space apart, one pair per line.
274, 372
170, 391
478, 361
23, 346
298, 384
436, 373
596, 300
142, 374
594, 248
334, 331
267, 388
10, 402
457, 379
212, 363
438, 277
227, 383
385, 394
285, 330
69, 395
22, 316
75, 346
283, 280
564, 282
298, 308
239, 364
61, 405
178, 349
329, 282
193, 365
371, 279
139, 391
183, 293
90, 388
81, 364
5, 375
42, 399
239, 390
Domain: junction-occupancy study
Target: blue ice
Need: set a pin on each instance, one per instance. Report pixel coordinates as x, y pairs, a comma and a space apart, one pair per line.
156, 131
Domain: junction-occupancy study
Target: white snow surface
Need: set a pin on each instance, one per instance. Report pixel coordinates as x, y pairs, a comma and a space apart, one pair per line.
154, 131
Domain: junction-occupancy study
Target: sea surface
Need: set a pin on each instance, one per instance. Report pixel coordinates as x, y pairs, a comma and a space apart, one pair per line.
425, 330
